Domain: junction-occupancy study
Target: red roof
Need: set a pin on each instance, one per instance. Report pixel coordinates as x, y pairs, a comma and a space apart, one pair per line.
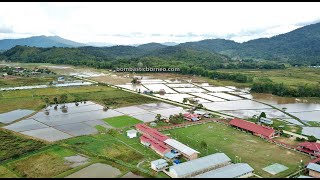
265, 131
152, 132
188, 115
159, 146
310, 145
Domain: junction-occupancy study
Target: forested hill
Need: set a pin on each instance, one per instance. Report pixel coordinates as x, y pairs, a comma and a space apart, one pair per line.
301, 46
110, 57
38, 41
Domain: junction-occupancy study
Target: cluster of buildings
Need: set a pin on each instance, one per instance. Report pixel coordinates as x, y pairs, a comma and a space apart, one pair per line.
216, 165
164, 145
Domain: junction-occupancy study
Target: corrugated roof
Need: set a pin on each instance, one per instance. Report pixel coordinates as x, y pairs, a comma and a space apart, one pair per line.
230, 171
180, 147
158, 145
132, 131
302, 176
158, 161
189, 115
196, 165
266, 131
152, 132
311, 145
314, 166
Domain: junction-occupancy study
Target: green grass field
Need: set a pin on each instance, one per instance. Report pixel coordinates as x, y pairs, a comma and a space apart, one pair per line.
6, 173
122, 121
251, 149
32, 99
25, 81
13, 146
47, 163
119, 147
290, 76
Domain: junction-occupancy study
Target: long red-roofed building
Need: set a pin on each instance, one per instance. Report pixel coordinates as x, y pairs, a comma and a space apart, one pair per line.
310, 148
156, 145
144, 129
256, 129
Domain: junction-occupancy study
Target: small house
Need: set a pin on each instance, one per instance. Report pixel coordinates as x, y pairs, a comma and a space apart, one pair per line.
314, 170
266, 120
159, 165
191, 117
162, 92
61, 80
132, 133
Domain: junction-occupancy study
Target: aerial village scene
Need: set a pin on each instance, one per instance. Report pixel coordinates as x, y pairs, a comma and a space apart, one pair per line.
161, 125
159, 90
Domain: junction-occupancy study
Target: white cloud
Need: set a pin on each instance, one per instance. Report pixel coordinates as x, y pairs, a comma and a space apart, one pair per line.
98, 22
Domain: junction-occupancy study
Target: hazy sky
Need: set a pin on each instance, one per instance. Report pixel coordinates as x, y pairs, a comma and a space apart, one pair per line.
136, 23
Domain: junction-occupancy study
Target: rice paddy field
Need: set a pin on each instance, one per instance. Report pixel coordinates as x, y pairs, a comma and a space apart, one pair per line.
33, 98
251, 149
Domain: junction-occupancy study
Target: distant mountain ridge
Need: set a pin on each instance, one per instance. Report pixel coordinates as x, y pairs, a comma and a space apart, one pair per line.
39, 41
300, 46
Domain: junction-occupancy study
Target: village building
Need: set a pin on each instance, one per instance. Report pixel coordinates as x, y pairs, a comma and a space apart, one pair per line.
159, 165
312, 148
199, 166
191, 117
132, 133
314, 170
258, 130
186, 151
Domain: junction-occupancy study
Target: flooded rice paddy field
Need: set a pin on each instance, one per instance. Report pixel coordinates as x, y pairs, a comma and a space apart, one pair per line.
97, 170
54, 124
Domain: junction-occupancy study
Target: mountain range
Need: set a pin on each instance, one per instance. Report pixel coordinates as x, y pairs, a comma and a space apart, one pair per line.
300, 46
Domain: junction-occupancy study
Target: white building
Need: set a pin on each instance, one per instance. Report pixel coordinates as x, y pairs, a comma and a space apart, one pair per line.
132, 133
159, 164
199, 166
239, 170
185, 150
266, 120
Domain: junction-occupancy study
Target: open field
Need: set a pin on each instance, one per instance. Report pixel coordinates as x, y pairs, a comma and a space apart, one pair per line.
289, 76
122, 121
118, 147
13, 146
31, 99
47, 163
14, 81
5, 173
251, 149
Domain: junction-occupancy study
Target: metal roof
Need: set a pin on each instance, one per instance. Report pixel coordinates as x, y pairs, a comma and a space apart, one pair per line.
302, 176
230, 171
132, 131
196, 165
266, 131
158, 161
314, 146
314, 167
180, 147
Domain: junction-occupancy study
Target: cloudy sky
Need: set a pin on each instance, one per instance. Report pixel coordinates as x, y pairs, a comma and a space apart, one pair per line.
137, 23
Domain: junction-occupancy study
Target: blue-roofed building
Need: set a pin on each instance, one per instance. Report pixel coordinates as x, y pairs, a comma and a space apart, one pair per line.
159, 165
170, 155
239, 170
314, 170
